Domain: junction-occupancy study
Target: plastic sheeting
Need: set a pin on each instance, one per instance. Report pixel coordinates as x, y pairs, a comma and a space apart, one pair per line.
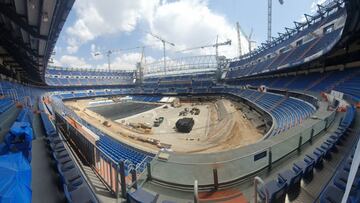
22, 129
3, 148
15, 178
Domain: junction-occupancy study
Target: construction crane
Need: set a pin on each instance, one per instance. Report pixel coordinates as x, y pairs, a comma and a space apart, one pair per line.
247, 37
109, 52
164, 42
270, 17
216, 46
239, 38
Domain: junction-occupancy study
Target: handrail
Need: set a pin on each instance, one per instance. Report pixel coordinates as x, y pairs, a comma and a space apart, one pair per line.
258, 180
353, 170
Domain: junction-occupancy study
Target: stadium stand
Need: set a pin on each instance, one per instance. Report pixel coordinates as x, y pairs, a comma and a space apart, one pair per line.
87, 77
293, 79
287, 112
288, 181
301, 44
71, 179
5, 104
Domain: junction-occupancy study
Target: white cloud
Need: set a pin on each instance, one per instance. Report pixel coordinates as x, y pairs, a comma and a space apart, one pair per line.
187, 23
95, 52
313, 7
96, 18
55, 62
190, 23
73, 61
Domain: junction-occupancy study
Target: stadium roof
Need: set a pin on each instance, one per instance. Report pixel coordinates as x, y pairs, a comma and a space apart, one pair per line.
29, 30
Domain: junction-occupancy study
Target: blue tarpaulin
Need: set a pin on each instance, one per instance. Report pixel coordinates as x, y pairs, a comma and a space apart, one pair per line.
22, 129
4, 149
15, 178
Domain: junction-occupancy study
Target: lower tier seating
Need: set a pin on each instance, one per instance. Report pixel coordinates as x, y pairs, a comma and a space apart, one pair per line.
288, 180
287, 111
75, 187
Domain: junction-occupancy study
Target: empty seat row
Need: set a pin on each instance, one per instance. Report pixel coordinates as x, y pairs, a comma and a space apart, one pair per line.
346, 81
283, 54
335, 189
288, 181
71, 179
119, 151
5, 104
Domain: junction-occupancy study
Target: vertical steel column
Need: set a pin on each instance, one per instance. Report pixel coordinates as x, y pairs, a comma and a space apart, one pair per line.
122, 179
299, 145
312, 135
117, 183
270, 159
148, 168
216, 179
111, 175
133, 178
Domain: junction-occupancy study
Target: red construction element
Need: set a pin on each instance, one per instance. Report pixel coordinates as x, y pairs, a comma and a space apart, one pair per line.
19, 105
341, 109
223, 196
323, 95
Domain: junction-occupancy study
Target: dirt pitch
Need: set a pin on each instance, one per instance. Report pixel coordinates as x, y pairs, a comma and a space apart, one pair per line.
218, 127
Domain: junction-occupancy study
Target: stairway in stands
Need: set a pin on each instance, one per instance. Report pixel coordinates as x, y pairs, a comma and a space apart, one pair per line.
258, 97
316, 82
311, 46
278, 103
290, 81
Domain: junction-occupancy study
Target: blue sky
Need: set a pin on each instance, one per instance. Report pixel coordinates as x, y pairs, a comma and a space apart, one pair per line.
95, 26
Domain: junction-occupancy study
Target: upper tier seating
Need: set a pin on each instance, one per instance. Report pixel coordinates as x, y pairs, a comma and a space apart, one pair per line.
285, 54
71, 77
346, 81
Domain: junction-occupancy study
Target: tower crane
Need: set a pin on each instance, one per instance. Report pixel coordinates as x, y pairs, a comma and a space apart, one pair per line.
239, 38
109, 52
164, 42
216, 46
161, 39
270, 17
247, 37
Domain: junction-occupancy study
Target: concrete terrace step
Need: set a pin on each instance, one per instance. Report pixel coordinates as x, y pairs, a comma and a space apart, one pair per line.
223, 196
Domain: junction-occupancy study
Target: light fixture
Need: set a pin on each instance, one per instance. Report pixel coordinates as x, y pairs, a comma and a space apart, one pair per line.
32, 4
45, 17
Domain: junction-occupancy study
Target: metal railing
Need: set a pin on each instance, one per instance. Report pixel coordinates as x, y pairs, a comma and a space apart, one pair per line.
113, 174
179, 65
